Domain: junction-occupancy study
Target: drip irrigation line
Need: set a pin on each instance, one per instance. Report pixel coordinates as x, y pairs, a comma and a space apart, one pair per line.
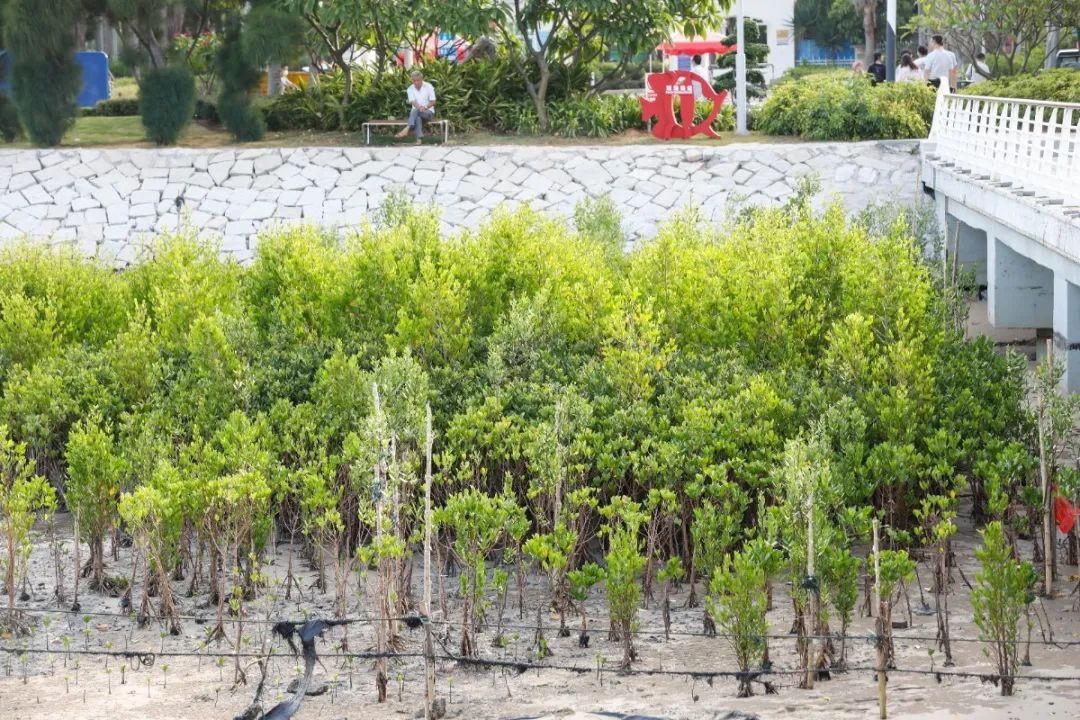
147, 659
414, 622
204, 655
985, 676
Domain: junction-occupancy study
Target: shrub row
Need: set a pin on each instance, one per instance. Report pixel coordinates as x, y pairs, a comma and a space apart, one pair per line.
838, 106
474, 94
1057, 85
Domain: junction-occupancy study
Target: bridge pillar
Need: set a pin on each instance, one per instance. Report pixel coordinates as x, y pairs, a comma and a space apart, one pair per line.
1067, 331
1020, 291
970, 248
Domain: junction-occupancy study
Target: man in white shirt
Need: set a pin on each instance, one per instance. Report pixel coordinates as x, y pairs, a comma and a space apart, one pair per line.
421, 106
940, 64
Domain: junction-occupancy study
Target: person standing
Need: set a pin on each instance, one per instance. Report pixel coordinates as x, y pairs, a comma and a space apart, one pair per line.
920, 56
978, 71
878, 69
908, 71
940, 64
421, 106
699, 69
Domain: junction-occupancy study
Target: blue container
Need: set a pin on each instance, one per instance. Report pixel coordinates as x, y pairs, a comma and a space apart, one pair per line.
95, 77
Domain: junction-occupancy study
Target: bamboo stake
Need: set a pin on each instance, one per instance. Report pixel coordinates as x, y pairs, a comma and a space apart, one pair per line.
1044, 475
429, 648
811, 629
882, 703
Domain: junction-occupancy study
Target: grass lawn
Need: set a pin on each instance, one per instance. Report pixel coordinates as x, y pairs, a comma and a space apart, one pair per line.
129, 132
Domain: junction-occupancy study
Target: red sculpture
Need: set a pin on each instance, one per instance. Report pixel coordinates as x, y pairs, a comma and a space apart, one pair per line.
658, 103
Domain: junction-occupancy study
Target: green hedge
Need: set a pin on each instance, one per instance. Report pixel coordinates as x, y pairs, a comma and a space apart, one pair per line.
476, 94
167, 103
1058, 85
117, 107
838, 106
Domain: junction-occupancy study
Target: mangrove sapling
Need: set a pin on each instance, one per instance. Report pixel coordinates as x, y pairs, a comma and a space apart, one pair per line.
499, 580
896, 568
936, 514
840, 573
661, 506
23, 496
671, 572
738, 602
1002, 590
716, 528
771, 560
553, 550
479, 523
153, 514
582, 581
95, 468
625, 562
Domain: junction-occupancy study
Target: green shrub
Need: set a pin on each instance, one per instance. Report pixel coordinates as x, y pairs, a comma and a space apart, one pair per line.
9, 120
117, 107
1057, 85
481, 93
838, 106
167, 103
239, 79
45, 78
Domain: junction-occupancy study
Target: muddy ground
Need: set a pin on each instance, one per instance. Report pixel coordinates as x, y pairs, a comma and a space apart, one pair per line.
55, 685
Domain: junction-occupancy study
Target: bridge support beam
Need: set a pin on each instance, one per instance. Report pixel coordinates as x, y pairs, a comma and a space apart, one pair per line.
1021, 291
1067, 331
970, 248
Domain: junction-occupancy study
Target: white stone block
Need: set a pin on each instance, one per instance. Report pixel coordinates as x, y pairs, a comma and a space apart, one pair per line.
117, 213
84, 203
140, 197
219, 172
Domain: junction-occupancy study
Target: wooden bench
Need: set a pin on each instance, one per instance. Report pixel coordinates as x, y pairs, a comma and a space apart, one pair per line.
366, 127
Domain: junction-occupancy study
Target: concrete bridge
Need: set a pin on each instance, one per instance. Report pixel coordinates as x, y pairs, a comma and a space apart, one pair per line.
1005, 177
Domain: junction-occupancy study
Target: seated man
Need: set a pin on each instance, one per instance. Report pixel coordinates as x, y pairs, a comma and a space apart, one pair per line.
422, 101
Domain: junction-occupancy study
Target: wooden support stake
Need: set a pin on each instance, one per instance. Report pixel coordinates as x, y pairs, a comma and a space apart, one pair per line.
429, 648
1049, 534
815, 611
881, 655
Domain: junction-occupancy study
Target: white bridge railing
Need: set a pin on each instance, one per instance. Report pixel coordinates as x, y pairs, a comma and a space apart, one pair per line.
1031, 146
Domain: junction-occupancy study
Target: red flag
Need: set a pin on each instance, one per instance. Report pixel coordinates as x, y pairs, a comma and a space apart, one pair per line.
1065, 513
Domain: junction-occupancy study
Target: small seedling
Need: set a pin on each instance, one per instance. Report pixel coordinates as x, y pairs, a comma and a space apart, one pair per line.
164, 676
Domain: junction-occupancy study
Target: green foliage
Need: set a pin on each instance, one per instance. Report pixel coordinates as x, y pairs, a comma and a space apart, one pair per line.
23, 496
737, 602
624, 563
1056, 85
117, 107
9, 120
95, 468
1003, 588
166, 103
838, 106
239, 78
45, 78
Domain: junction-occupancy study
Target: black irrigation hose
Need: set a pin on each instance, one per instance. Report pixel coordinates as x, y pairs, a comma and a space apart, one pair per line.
147, 659
416, 621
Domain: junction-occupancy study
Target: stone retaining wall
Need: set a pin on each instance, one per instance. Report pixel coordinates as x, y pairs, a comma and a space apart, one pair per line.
109, 202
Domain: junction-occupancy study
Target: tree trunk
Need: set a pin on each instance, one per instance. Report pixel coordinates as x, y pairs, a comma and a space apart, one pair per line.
869, 23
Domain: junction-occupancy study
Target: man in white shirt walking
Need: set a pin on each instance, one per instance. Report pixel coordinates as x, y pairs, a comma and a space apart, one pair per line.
421, 106
940, 64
